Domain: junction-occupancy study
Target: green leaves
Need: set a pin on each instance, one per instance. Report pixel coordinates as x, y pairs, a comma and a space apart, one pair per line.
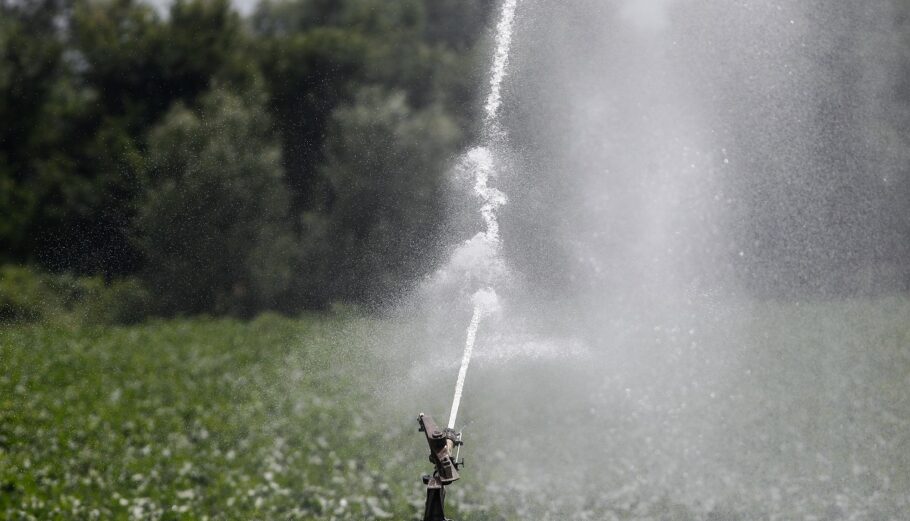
385, 166
270, 419
212, 224
140, 142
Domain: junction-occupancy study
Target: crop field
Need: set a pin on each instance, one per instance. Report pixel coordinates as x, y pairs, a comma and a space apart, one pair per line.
206, 419
313, 418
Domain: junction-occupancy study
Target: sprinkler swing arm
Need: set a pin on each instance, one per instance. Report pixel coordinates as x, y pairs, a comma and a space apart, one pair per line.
442, 443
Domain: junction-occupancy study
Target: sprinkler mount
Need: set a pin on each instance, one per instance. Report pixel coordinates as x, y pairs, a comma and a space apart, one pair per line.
442, 443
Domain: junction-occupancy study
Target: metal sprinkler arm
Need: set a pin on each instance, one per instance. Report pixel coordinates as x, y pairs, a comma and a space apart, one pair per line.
441, 442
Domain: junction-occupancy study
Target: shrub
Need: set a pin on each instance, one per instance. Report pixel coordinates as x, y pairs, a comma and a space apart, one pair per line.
28, 295
24, 295
124, 301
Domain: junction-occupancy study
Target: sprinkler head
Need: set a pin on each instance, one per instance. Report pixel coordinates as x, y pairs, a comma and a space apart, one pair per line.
441, 442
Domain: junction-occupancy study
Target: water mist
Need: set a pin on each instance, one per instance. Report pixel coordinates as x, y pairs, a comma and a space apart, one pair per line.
689, 308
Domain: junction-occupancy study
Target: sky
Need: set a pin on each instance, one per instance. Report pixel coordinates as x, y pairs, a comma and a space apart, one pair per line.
244, 6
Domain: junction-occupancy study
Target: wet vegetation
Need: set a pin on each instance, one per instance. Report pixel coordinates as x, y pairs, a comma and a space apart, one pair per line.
191, 420
305, 419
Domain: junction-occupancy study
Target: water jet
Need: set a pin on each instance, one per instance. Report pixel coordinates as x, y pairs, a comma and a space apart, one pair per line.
485, 301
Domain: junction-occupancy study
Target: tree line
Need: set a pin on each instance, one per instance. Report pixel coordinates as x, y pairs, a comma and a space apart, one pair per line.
285, 160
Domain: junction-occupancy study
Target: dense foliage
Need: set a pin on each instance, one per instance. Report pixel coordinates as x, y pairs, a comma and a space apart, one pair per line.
282, 161
212, 222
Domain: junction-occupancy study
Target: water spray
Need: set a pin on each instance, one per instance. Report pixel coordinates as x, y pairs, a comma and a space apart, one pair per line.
442, 442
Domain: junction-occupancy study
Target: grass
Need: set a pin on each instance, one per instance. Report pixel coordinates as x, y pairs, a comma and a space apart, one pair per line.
782, 412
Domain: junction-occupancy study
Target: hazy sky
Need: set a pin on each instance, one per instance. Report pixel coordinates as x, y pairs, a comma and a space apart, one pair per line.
647, 14
244, 6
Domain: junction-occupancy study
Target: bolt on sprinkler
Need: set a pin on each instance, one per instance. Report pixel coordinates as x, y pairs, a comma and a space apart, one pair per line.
442, 443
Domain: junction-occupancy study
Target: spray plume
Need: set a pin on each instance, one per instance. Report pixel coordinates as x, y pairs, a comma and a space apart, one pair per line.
481, 159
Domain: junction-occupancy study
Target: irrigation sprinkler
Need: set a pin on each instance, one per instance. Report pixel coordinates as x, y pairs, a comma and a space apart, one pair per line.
442, 443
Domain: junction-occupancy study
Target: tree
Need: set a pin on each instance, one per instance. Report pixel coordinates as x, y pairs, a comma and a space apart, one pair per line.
315, 54
29, 69
308, 75
212, 224
81, 82
385, 167
139, 64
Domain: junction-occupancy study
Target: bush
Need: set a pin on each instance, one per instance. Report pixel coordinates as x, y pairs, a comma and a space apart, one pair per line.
124, 301
24, 295
28, 295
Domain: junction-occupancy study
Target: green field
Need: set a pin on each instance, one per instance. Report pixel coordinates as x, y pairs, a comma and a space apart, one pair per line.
313, 418
213, 419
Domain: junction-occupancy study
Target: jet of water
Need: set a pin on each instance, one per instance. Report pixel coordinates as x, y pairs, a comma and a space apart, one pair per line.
485, 299
500, 62
485, 302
